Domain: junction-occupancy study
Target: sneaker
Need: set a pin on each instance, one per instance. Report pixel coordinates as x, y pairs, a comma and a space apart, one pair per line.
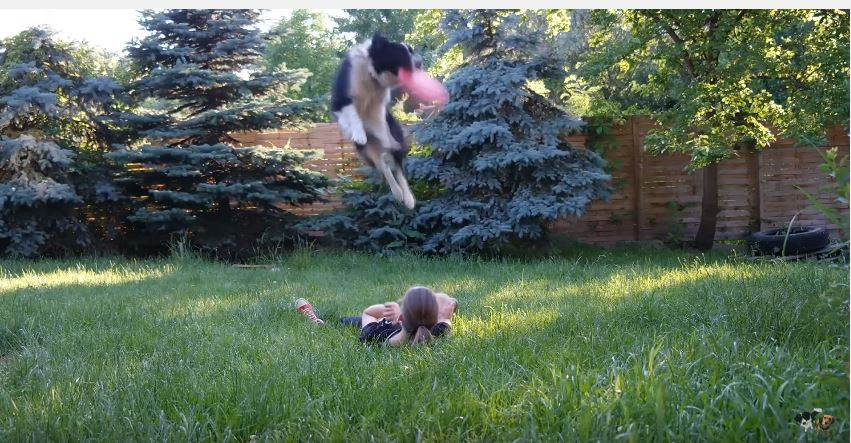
304, 307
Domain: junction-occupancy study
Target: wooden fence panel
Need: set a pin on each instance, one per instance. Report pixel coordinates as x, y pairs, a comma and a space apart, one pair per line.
339, 157
655, 197
784, 168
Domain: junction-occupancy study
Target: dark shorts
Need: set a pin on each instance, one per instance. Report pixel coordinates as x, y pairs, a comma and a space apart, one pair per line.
380, 331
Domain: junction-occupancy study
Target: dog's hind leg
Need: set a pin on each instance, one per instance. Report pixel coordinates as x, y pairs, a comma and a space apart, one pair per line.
395, 156
362, 155
374, 155
387, 170
407, 195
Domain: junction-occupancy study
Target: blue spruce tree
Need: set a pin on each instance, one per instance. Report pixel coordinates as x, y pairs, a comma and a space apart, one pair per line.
49, 114
191, 178
498, 161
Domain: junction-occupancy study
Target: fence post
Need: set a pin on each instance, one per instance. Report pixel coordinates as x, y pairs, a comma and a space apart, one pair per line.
754, 176
637, 177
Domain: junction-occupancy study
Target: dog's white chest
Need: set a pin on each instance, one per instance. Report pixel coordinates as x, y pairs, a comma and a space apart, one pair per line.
372, 107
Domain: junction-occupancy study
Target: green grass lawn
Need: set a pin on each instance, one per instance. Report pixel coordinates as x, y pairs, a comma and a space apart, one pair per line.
616, 345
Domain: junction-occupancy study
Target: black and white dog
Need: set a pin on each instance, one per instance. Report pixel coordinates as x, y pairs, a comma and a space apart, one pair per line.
360, 102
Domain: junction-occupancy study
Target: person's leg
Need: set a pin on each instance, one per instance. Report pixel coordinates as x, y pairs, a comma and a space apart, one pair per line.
351, 321
305, 308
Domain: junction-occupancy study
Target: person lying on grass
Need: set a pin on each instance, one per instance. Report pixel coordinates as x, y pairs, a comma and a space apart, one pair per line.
420, 316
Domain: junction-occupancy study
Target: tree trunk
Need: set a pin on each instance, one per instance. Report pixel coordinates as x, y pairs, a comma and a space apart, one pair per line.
708, 209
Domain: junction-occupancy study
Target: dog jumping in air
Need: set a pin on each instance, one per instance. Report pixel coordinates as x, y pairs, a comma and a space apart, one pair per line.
360, 103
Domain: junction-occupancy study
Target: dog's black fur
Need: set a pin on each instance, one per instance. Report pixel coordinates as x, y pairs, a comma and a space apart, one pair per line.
360, 103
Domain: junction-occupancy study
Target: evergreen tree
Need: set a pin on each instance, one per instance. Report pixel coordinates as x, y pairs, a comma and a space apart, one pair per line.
48, 114
373, 220
192, 179
498, 155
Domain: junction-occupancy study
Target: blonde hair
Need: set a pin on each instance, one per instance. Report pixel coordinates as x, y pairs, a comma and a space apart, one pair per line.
419, 314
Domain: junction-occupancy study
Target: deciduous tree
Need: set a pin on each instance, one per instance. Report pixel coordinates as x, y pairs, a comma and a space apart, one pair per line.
725, 81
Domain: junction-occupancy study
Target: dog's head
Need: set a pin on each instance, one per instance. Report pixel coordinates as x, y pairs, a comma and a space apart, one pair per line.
388, 57
825, 421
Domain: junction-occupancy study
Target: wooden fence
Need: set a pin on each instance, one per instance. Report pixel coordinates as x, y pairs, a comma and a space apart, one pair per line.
656, 198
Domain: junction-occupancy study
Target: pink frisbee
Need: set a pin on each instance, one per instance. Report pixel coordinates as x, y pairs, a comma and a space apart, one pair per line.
422, 87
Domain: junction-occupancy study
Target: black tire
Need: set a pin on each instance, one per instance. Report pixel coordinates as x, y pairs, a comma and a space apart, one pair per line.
802, 240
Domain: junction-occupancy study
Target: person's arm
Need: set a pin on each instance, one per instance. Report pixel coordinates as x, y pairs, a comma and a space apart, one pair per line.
446, 307
376, 311
392, 312
371, 314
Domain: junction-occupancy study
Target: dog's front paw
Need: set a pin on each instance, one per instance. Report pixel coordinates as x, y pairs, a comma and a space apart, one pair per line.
359, 136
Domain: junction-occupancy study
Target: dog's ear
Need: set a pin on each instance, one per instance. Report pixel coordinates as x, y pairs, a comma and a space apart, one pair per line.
378, 40
798, 418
